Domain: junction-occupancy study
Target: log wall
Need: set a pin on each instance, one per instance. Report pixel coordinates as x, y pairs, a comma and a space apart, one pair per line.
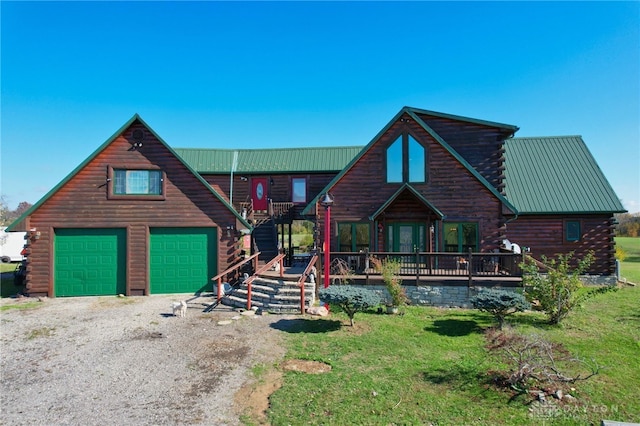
450, 187
83, 202
545, 235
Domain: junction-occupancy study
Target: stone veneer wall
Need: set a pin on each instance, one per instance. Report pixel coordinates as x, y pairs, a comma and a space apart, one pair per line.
459, 295
438, 295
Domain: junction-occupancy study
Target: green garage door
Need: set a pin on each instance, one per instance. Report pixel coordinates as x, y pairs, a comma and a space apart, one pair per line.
89, 262
182, 260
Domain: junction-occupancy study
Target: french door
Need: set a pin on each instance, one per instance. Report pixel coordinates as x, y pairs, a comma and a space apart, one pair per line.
406, 237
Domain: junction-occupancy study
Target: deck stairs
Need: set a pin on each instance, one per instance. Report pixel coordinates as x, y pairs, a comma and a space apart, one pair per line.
272, 294
265, 238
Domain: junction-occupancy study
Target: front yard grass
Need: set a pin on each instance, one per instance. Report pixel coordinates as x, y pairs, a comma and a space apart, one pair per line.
7, 287
429, 366
630, 267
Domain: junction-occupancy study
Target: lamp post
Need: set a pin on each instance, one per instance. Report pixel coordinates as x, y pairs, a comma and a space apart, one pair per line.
327, 202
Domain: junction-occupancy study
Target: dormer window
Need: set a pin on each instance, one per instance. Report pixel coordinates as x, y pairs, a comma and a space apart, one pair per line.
406, 160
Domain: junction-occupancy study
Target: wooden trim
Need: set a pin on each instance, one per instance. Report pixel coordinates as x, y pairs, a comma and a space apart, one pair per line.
147, 243
52, 268
127, 285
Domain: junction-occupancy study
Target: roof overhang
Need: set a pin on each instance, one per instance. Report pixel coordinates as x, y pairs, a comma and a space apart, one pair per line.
406, 188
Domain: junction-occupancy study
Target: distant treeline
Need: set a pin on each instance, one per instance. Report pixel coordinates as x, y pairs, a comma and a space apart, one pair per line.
628, 225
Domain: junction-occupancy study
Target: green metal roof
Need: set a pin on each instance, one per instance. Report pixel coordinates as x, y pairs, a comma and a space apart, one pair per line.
556, 175
509, 127
280, 160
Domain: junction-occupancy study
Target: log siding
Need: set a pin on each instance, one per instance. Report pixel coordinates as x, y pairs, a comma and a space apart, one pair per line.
83, 202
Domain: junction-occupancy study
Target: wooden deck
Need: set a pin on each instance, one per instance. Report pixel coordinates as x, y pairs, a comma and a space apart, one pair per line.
484, 280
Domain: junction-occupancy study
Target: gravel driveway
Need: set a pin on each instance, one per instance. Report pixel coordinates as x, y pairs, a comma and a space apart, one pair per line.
109, 360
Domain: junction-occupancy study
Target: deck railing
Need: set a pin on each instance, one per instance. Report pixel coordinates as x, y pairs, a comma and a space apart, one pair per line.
436, 264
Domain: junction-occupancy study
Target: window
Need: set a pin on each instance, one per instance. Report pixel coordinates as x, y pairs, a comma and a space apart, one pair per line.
131, 183
394, 161
353, 237
572, 230
460, 237
406, 160
416, 161
299, 190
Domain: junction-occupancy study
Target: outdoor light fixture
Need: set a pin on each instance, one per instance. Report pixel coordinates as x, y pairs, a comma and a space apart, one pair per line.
138, 137
243, 178
327, 200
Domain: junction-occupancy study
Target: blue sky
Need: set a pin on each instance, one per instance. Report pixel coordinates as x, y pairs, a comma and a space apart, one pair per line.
262, 74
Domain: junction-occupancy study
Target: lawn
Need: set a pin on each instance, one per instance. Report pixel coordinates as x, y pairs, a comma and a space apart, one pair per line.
429, 366
7, 289
630, 267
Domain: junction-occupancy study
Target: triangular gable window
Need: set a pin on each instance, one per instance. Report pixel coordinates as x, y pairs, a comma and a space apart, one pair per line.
406, 160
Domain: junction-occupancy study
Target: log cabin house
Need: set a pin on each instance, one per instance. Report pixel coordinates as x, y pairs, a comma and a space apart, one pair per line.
442, 192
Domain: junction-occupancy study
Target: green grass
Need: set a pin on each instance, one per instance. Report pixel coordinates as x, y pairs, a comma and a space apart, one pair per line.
430, 366
7, 289
630, 267
7, 267
20, 306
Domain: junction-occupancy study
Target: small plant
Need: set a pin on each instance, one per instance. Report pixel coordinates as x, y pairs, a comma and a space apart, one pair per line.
40, 332
557, 291
500, 303
350, 299
535, 362
341, 268
390, 271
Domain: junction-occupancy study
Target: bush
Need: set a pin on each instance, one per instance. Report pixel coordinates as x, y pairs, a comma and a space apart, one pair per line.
500, 303
350, 299
390, 271
556, 292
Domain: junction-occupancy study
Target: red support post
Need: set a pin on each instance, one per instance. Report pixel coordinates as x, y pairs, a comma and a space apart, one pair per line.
327, 245
248, 294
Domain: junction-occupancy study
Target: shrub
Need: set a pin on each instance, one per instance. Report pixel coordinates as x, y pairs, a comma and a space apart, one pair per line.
556, 292
500, 303
390, 270
350, 299
621, 254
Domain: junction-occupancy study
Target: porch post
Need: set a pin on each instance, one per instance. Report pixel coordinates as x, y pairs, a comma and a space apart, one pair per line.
327, 202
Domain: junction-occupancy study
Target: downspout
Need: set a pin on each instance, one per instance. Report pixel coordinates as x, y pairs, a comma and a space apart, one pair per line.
234, 165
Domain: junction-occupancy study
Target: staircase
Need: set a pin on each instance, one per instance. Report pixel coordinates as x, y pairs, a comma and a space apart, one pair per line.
266, 239
274, 295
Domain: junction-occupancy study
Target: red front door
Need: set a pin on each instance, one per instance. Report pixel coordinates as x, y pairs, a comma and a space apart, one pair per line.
259, 193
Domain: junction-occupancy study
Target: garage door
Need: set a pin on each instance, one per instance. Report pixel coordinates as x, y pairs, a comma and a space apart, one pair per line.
182, 260
89, 262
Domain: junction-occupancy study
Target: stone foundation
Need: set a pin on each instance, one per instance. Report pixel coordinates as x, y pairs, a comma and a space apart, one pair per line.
439, 295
